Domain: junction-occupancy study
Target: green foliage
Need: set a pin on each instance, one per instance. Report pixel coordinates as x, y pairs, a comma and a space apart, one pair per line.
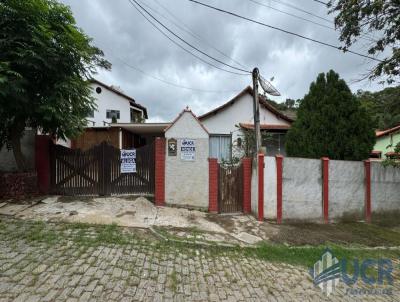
330, 122
45, 64
245, 142
376, 21
395, 160
383, 106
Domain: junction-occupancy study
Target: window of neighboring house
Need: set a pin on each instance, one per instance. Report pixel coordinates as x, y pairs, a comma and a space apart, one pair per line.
274, 142
136, 116
112, 113
221, 147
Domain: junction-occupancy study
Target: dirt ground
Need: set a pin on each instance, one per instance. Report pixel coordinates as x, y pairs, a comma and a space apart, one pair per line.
197, 225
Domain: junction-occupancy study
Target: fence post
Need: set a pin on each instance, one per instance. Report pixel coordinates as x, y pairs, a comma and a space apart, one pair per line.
260, 187
159, 194
42, 162
325, 188
367, 167
279, 160
213, 185
246, 184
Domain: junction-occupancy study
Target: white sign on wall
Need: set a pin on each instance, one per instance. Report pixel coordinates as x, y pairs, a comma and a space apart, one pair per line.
188, 149
128, 161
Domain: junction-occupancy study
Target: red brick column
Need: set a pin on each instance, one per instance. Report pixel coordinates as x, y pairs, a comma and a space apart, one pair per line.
367, 167
159, 194
246, 162
42, 162
213, 185
260, 158
279, 160
325, 188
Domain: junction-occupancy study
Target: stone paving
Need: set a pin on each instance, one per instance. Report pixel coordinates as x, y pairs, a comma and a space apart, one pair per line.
50, 267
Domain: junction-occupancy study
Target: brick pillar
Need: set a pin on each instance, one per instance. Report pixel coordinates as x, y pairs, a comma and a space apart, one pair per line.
367, 167
325, 188
42, 162
279, 161
159, 194
213, 185
246, 162
260, 161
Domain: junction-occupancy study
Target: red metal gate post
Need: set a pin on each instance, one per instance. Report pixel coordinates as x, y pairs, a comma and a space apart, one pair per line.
367, 166
246, 185
159, 194
260, 187
42, 162
325, 188
213, 185
279, 160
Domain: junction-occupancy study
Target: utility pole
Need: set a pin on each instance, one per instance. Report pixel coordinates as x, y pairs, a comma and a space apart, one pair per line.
256, 110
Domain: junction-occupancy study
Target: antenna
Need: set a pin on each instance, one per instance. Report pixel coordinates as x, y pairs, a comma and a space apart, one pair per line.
267, 86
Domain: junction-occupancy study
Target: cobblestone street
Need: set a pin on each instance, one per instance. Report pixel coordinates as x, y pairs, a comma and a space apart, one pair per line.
53, 263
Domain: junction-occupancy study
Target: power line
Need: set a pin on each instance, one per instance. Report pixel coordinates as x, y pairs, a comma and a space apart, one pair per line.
321, 2
285, 31
187, 43
292, 15
168, 82
187, 29
180, 46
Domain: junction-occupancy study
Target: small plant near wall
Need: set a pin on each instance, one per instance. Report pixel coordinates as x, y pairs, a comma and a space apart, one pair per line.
245, 143
393, 160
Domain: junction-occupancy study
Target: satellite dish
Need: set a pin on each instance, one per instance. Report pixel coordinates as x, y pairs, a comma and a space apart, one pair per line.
267, 87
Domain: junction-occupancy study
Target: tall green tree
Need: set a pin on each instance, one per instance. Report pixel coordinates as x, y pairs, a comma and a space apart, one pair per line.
378, 22
45, 64
330, 122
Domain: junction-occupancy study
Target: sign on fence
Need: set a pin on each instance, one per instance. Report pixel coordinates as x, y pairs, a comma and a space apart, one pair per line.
188, 149
128, 161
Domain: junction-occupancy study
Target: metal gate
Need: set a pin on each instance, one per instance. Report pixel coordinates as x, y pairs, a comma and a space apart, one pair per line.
97, 171
230, 195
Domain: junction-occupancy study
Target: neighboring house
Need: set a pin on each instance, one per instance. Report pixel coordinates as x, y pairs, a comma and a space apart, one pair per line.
386, 140
227, 122
112, 102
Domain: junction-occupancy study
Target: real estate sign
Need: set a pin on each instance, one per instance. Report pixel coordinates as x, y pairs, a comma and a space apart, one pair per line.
128, 161
188, 149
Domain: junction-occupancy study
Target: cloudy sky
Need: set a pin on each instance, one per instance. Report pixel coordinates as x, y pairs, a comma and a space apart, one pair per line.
130, 41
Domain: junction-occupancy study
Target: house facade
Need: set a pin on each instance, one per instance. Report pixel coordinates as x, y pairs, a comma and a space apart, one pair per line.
228, 123
386, 141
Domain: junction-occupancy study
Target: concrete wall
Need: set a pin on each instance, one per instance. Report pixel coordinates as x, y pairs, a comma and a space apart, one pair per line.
7, 161
254, 189
270, 187
346, 189
302, 189
385, 188
186, 182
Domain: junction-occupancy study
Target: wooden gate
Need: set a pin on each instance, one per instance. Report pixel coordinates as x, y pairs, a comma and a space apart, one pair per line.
97, 171
230, 195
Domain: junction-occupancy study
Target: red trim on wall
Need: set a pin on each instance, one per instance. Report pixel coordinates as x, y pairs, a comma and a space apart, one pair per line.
260, 187
367, 166
42, 162
325, 188
213, 185
159, 194
279, 160
246, 185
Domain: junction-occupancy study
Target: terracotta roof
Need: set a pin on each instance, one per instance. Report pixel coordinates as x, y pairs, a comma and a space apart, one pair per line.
265, 126
180, 114
131, 100
262, 101
380, 133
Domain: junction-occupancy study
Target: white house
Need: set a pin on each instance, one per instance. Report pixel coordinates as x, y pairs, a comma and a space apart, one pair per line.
112, 102
227, 122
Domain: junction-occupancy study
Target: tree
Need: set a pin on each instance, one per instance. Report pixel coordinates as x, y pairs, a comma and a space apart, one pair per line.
377, 21
330, 122
45, 64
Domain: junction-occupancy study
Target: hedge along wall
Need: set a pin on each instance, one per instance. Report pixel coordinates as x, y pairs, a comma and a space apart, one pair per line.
347, 183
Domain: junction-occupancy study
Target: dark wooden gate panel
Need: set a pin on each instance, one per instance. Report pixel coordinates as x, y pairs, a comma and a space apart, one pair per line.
230, 187
97, 171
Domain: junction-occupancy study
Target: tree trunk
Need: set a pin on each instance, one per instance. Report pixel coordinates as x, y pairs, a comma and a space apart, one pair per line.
16, 147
